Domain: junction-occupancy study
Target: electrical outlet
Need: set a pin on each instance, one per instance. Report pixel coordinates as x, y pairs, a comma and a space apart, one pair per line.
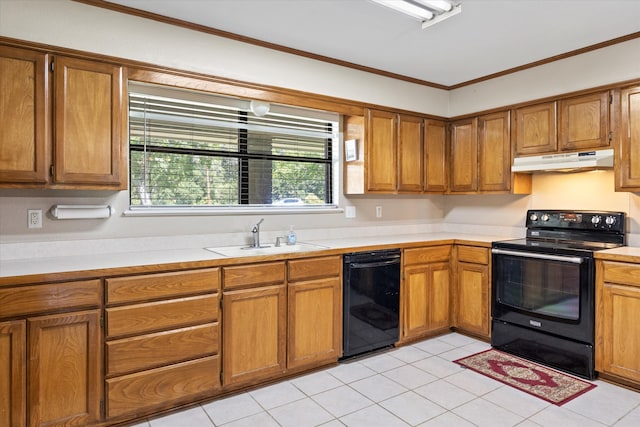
34, 218
378, 211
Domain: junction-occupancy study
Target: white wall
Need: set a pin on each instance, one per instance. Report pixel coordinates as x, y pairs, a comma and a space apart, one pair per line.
73, 25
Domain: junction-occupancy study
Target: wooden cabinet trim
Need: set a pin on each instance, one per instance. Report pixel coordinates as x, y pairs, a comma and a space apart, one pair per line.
161, 285
160, 315
25, 300
241, 276
313, 268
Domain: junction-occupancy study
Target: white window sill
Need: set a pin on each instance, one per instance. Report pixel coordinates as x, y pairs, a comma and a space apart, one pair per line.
208, 211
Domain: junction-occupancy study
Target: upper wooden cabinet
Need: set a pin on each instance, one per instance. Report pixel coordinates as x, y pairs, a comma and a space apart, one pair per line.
464, 156
63, 122
536, 130
381, 152
627, 164
410, 154
569, 124
435, 156
89, 113
584, 122
24, 139
494, 152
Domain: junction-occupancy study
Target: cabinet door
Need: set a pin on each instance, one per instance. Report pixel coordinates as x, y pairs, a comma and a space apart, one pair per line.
65, 368
628, 159
24, 139
494, 150
620, 331
315, 322
472, 314
584, 122
254, 334
12, 374
536, 130
425, 299
381, 151
410, 157
435, 152
89, 115
464, 156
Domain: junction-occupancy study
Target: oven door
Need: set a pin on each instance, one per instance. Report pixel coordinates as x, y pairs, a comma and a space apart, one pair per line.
549, 292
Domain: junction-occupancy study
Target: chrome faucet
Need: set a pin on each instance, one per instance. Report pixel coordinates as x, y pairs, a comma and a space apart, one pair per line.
256, 234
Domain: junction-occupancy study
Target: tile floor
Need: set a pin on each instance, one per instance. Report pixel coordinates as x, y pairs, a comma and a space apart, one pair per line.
416, 385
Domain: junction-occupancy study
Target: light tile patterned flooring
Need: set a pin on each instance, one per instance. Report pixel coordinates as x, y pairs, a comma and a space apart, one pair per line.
416, 385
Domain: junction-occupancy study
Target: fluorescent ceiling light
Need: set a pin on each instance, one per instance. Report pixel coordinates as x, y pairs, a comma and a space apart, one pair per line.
428, 11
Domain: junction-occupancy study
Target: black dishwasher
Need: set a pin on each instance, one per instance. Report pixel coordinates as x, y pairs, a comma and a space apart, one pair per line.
371, 300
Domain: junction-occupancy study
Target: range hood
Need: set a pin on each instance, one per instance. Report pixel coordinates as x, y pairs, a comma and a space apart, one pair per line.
569, 162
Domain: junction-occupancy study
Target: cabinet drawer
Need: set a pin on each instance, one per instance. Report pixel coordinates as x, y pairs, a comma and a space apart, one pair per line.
182, 382
156, 316
620, 272
427, 255
473, 254
154, 286
253, 274
26, 300
162, 348
312, 268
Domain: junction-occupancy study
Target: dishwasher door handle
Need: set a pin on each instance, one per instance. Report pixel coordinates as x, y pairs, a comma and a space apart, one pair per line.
374, 264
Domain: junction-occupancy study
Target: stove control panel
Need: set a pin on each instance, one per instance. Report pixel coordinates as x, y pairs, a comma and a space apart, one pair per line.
577, 220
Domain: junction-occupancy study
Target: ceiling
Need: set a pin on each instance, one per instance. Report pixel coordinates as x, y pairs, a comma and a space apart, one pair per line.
488, 37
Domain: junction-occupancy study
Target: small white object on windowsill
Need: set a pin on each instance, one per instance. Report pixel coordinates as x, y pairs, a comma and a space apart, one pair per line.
80, 211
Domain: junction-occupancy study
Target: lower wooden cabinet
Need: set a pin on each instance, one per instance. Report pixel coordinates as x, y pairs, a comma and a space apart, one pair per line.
425, 291
254, 334
617, 327
65, 369
162, 341
472, 312
13, 382
314, 320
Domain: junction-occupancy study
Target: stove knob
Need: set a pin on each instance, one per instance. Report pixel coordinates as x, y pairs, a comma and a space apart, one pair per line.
533, 217
596, 219
610, 220
545, 217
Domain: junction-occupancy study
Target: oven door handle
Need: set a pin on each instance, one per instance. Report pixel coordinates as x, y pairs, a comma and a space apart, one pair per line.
571, 259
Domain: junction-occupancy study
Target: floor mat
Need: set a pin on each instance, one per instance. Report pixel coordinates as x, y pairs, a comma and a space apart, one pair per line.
547, 384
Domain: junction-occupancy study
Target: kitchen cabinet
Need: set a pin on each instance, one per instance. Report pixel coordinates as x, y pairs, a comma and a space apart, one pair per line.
381, 152
464, 156
569, 124
410, 154
472, 290
64, 122
435, 156
584, 122
314, 321
494, 152
536, 129
60, 353
13, 381
425, 291
254, 309
162, 345
24, 140
627, 162
617, 329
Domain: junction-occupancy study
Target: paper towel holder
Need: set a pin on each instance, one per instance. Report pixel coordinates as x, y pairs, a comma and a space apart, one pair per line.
80, 211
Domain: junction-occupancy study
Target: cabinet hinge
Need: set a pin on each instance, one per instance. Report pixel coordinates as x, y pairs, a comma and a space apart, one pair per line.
102, 407
51, 66
610, 136
102, 321
220, 376
220, 303
610, 99
51, 170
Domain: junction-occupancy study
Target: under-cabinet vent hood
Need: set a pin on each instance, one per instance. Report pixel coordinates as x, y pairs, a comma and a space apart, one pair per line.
569, 162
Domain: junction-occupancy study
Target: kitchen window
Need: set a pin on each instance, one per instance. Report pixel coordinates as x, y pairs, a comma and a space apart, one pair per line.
198, 150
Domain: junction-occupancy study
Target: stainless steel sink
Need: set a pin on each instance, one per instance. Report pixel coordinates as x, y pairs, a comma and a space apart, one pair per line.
240, 251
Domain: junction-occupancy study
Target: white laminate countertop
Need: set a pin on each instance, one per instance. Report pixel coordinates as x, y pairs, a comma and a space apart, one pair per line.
75, 263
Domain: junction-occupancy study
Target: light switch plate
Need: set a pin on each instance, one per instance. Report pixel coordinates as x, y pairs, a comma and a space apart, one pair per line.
350, 212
